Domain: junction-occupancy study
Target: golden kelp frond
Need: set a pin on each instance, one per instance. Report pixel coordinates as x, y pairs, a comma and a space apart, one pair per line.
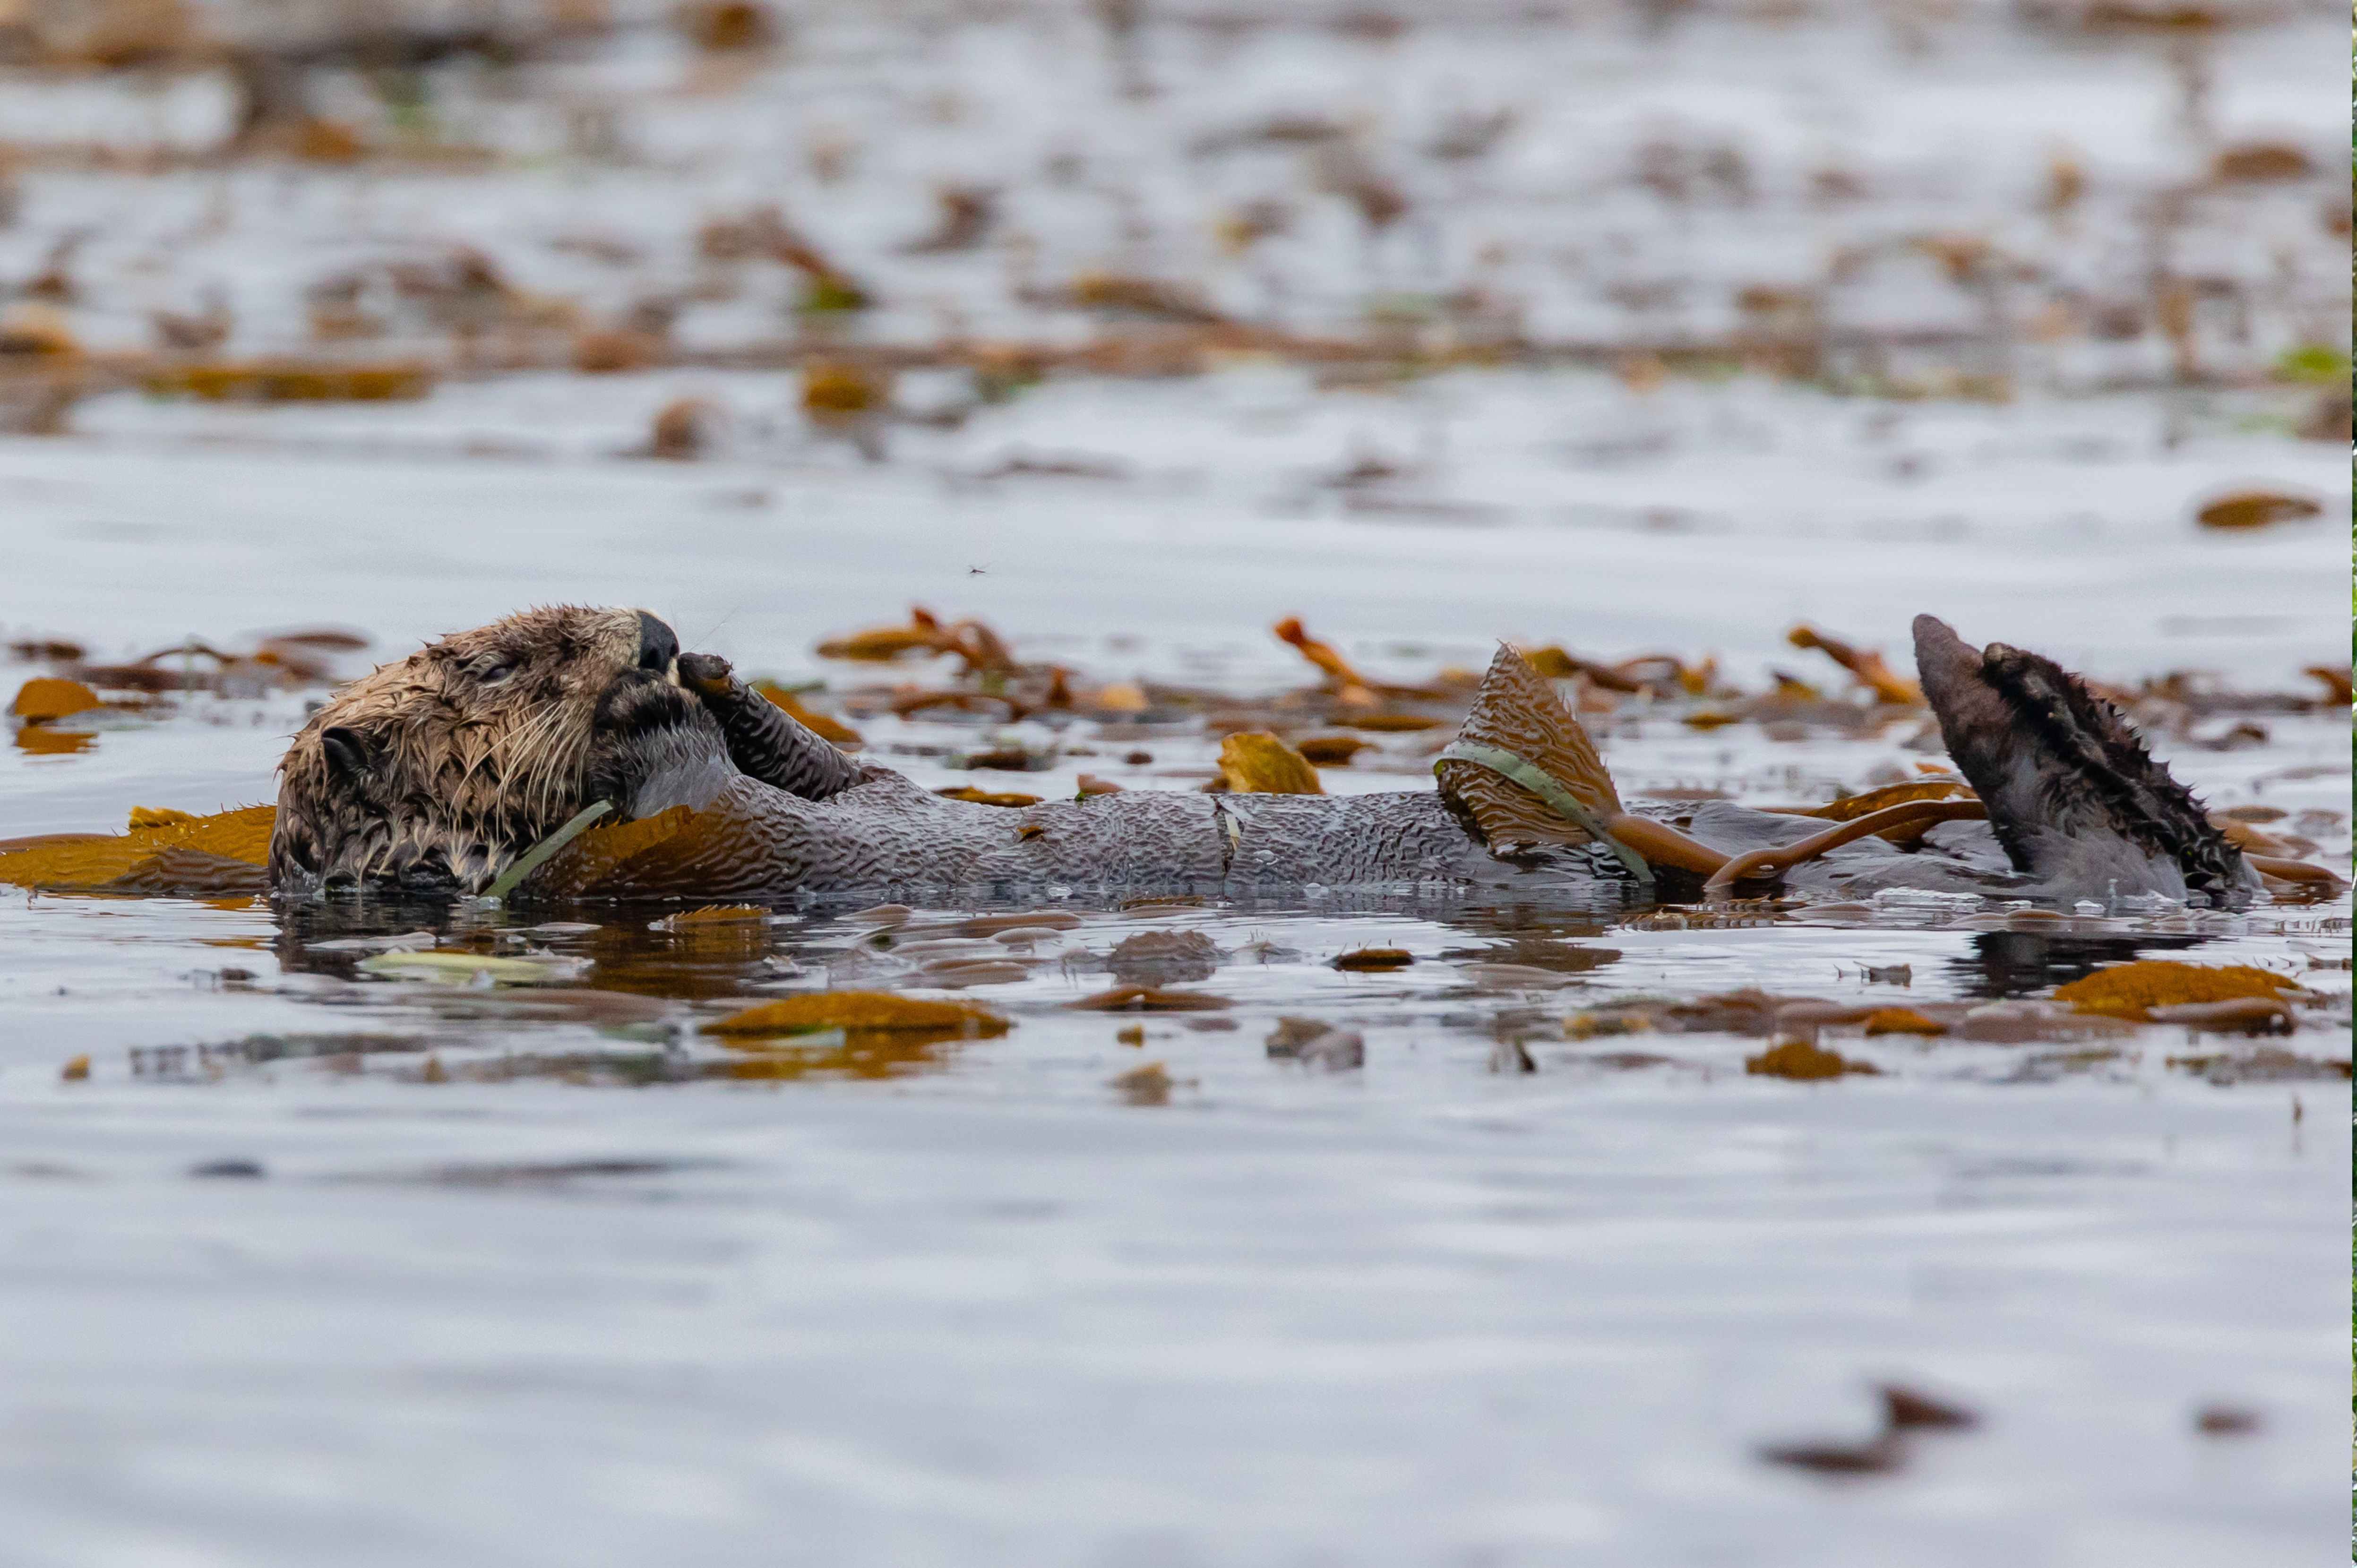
2131, 990
2257, 508
1349, 685
1850, 807
1009, 797
1865, 665
159, 817
1258, 763
271, 381
980, 647
835, 390
178, 852
1902, 1021
243, 835
1800, 1059
602, 851
859, 1012
49, 697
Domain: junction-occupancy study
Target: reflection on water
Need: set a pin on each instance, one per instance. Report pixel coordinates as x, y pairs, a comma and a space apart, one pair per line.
41, 740
2020, 963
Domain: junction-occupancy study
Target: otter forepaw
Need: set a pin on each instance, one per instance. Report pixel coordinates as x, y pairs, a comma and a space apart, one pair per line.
764, 741
707, 675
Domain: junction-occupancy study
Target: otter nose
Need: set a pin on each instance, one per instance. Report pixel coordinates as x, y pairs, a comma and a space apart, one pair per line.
658, 644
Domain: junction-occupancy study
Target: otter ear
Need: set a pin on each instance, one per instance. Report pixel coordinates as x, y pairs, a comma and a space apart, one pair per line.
352, 755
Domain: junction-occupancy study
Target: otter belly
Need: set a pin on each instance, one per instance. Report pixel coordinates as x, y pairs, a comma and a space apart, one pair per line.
753, 840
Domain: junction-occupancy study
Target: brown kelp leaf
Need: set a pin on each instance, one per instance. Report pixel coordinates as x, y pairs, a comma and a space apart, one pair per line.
602, 851
1258, 763
1348, 683
1118, 697
2336, 682
725, 27
158, 817
2257, 508
2226, 1421
1800, 1059
1148, 999
1375, 958
1851, 807
1556, 664
1866, 665
611, 351
241, 837
1882, 1456
839, 391
1905, 1409
45, 697
1331, 750
192, 872
1621, 1019
860, 1013
1010, 798
924, 634
820, 725
1141, 296
293, 381
2253, 163
36, 331
1902, 1021
2130, 990
683, 429
1147, 1085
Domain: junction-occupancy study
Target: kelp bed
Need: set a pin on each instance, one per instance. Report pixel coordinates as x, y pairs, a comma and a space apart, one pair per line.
1844, 1193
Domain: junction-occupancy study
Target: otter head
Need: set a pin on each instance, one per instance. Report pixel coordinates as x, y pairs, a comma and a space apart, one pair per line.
2072, 793
434, 774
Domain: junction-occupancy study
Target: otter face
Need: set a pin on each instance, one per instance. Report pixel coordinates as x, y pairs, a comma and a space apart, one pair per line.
433, 775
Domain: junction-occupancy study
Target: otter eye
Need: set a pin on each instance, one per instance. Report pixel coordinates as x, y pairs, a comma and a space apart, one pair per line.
491, 672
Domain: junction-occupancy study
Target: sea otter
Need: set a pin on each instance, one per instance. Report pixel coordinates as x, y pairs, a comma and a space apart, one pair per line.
472, 763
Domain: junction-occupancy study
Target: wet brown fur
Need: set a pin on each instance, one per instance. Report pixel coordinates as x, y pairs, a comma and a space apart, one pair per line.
475, 748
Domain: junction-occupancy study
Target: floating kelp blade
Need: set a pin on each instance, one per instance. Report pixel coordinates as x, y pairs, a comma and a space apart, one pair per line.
214, 856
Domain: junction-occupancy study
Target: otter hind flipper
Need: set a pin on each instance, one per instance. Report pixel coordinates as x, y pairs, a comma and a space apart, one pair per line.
1516, 711
764, 741
2072, 792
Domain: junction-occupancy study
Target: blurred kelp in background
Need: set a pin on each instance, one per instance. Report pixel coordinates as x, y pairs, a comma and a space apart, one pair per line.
264, 200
